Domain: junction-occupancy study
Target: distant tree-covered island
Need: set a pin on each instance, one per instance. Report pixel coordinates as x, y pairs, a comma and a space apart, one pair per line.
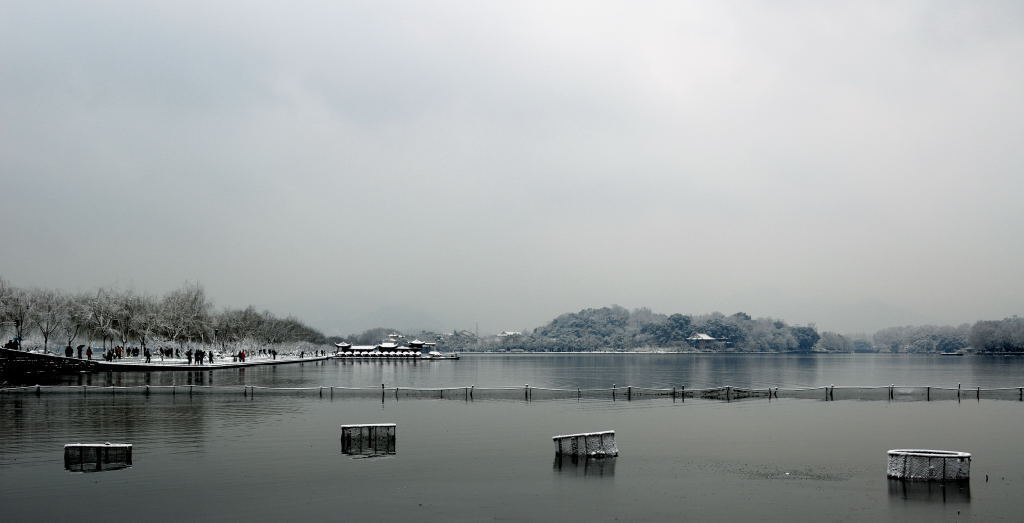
616, 328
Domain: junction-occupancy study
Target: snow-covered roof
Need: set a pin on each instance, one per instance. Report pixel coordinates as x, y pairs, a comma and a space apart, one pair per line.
700, 336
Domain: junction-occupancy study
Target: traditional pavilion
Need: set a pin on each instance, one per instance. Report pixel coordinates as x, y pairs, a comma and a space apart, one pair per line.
703, 341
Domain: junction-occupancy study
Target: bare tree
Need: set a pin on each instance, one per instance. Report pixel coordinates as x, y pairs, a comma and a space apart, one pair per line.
76, 317
126, 307
5, 295
18, 310
101, 316
47, 312
185, 314
147, 319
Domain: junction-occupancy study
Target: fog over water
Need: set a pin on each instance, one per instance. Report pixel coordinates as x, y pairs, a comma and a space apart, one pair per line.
448, 164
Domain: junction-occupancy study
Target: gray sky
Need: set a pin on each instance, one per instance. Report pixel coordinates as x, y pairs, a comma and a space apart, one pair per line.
852, 164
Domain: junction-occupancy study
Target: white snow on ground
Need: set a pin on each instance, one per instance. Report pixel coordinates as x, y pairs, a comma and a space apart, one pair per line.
286, 352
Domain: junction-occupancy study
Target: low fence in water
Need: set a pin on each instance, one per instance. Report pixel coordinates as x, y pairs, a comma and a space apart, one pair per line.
372, 439
96, 457
929, 465
530, 393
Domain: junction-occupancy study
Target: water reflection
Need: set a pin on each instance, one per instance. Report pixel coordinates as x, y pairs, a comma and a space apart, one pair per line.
579, 466
930, 491
109, 415
591, 371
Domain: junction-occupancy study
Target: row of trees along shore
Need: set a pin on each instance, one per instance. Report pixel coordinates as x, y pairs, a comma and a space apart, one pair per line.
616, 328
115, 317
186, 315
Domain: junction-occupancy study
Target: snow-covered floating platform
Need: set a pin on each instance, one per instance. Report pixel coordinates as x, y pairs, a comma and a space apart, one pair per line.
929, 465
95, 457
589, 444
368, 439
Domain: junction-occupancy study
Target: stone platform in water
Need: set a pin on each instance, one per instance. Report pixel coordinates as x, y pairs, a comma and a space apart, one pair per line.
372, 439
589, 444
929, 465
96, 457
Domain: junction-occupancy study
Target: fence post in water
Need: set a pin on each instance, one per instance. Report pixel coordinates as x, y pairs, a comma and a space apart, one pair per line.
471, 387
682, 393
382, 393
958, 392
396, 393
189, 391
579, 394
673, 392
629, 393
526, 392
832, 392
613, 392
928, 393
321, 391
979, 393
147, 390
1020, 393
245, 390
728, 393
332, 391
891, 385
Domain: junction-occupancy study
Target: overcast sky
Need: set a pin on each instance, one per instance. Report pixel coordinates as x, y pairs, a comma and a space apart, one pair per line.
441, 164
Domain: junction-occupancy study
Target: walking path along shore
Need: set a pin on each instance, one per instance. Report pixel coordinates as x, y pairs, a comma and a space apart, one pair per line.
23, 358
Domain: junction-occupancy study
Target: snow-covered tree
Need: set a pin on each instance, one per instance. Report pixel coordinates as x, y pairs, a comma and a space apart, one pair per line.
47, 312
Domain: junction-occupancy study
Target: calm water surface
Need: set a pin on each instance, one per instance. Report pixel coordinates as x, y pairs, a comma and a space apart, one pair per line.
225, 457
603, 370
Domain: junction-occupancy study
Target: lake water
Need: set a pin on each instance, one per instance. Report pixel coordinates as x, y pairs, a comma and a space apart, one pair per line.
223, 456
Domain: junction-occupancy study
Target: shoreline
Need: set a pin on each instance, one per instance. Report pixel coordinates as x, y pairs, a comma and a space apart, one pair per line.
66, 364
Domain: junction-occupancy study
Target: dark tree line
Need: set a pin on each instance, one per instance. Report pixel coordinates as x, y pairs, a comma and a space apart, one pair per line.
114, 317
